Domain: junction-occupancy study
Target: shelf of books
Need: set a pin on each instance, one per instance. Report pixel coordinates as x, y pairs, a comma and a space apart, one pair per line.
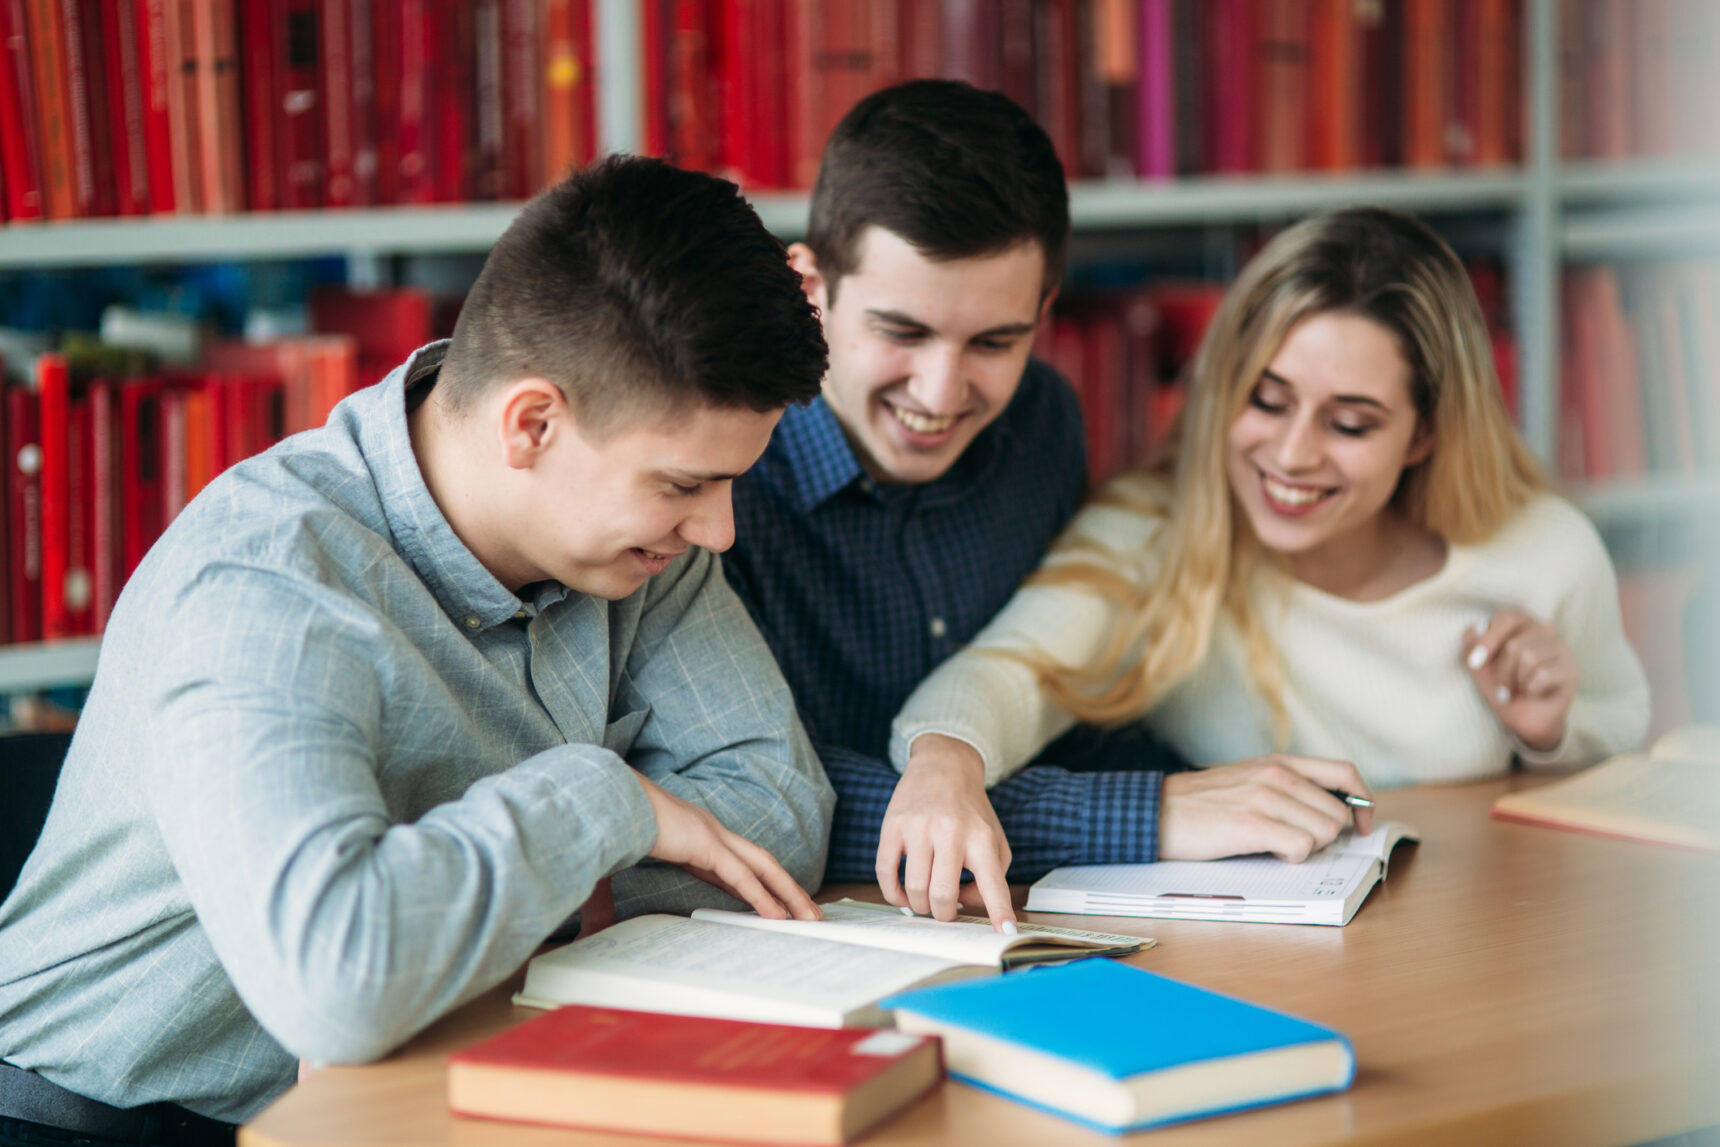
140, 134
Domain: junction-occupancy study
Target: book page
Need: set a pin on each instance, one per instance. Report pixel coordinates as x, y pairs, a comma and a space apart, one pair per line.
668, 963
1377, 844
1652, 798
970, 940
1327, 875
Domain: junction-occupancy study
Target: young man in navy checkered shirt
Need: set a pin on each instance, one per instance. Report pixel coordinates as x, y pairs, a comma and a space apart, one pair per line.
890, 519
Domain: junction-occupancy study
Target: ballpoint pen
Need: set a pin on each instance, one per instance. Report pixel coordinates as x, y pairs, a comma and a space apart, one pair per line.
1351, 798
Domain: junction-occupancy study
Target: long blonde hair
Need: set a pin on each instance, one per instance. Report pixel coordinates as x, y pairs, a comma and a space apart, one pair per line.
1369, 262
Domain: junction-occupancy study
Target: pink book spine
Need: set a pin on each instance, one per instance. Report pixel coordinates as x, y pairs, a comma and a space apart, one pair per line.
1157, 123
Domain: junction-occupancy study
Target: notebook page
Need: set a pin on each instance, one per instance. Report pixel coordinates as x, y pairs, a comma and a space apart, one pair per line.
1327, 875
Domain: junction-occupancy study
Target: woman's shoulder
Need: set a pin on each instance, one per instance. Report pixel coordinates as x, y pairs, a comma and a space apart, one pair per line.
1124, 514
1547, 533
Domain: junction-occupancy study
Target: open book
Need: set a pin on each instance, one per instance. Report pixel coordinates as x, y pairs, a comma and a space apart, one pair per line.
827, 973
1668, 795
1327, 888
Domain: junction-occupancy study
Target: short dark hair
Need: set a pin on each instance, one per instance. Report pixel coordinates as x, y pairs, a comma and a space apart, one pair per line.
638, 288
953, 170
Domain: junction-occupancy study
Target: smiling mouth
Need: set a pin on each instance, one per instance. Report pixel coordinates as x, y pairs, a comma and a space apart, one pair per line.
923, 423
1293, 497
654, 556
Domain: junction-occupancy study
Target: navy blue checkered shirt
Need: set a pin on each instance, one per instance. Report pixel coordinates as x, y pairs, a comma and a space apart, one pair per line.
862, 588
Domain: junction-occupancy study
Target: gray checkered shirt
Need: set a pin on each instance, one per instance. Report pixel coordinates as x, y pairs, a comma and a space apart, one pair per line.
334, 779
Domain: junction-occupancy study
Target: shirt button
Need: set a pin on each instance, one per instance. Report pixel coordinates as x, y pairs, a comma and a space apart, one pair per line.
938, 627
474, 621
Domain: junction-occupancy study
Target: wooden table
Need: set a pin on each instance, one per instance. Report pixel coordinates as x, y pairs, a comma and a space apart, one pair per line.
1508, 984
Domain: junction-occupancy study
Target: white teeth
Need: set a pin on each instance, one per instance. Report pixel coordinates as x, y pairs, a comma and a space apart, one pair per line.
923, 423
1291, 495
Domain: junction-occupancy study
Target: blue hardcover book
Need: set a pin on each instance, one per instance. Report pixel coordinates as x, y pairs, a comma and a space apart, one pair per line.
1119, 1048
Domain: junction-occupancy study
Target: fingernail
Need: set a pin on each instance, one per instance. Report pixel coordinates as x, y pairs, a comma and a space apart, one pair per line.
1009, 928
1502, 695
1477, 657
906, 911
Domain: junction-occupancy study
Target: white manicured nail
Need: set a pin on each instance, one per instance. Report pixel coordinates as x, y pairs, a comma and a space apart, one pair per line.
1502, 695
1478, 657
906, 911
1009, 928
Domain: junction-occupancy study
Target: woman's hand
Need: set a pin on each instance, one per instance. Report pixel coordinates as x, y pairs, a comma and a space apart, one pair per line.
1527, 672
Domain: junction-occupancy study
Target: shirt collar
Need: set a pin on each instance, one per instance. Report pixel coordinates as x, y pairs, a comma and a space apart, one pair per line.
823, 463
461, 585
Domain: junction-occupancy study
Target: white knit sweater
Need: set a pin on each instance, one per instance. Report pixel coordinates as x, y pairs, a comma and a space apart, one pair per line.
1379, 683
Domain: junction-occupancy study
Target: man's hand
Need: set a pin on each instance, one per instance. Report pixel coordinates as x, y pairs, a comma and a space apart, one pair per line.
692, 838
941, 819
1277, 804
1527, 672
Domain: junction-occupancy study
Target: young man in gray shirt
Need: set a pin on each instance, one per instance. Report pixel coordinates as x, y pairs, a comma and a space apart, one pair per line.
386, 703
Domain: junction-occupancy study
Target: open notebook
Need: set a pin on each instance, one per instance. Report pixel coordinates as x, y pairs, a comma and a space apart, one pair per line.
1327, 888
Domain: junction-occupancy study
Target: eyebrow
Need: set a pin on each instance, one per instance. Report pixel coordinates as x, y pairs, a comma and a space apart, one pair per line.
1350, 399
899, 319
695, 476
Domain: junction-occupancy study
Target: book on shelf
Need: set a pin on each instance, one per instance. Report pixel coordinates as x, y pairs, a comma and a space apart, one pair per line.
1327, 888
643, 1073
827, 973
1668, 794
1120, 1048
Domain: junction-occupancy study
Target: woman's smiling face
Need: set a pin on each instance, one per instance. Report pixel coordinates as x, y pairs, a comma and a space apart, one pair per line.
1328, 429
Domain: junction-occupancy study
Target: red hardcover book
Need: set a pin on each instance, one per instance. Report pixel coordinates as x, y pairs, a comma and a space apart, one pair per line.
1059, 93
19, 156
1427, 81
153, 73
185, 122
569, 123
968, 42
653, 93
1284, 51
1156, 118
219, 106
692, 1077
23, 474
1231, 78
1494, 50
298, 98
1017, 61
919, 44
522, 98
432, 119
86, 92
47, 43
259, 53
103, 511
78, 596
54, 388
172, 450
361, 120
140, 470
490, 176
1334, 96
125, 94
687, 111
385, 47
386, 326
335, 62
1380, 81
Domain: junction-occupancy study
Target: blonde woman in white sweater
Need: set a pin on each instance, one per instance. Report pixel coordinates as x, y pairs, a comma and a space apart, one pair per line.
1348, 554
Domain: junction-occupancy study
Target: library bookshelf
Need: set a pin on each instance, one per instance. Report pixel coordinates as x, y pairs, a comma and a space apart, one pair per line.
1543, 214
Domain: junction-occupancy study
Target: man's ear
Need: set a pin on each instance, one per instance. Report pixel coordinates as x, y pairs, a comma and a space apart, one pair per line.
801, 258
534, 413
1045, 305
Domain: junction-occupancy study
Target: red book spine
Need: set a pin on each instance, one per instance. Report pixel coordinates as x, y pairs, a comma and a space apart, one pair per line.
218, 106
92, 174
1231, 80
568, 118
23, 473
53, 385
152, 72
183, 66
653, 85
140, 470
335, 59
1285, 32
46, 40
1060, 81
19, 156
385, 46
298, 98
522, 106
79, 593
490, 175
361, 120
125, 106
422, 109
454, 96
172, 451
259, 50
921, 44
105, 545
1426, 82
